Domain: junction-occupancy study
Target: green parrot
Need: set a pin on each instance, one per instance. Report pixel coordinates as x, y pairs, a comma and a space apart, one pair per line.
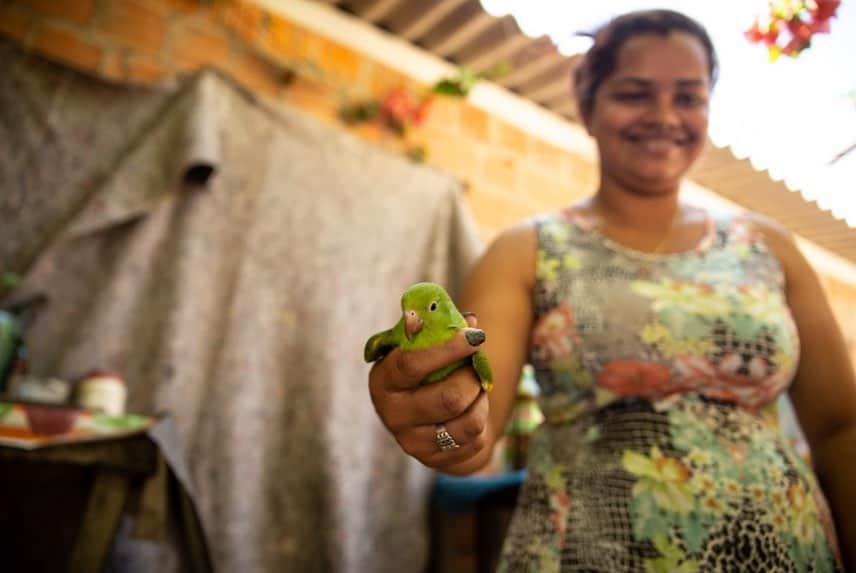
429, 317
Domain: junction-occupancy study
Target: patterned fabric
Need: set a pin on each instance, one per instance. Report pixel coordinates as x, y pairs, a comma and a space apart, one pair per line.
239, 302
659, 377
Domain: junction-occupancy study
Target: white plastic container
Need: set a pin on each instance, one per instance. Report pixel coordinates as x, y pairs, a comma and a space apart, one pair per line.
103, 392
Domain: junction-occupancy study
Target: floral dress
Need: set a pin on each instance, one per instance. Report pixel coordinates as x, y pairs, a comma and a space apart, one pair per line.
659, 379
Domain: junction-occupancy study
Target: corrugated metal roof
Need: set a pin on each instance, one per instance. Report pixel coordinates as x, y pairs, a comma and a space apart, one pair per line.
461, 32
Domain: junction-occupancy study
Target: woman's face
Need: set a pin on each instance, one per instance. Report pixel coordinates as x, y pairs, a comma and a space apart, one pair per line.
650, 116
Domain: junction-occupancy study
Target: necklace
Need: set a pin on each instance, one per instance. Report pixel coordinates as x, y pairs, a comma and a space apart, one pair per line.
604, 225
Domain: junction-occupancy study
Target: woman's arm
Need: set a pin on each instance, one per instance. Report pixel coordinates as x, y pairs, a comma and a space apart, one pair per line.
824, 390
498, 290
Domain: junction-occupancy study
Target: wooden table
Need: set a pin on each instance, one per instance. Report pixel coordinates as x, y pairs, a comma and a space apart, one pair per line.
61, 506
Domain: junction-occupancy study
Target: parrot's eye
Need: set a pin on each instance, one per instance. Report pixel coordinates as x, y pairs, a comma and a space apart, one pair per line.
433, 306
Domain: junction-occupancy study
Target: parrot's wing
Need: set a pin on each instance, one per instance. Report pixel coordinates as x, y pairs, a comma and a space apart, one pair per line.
379, 345
482, 368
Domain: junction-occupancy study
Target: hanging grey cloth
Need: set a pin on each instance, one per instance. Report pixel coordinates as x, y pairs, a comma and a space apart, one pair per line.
229, 258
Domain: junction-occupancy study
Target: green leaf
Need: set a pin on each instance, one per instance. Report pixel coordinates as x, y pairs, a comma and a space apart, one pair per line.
4, 409
555, 478
457, 86
671, 556
657, 566
676, 320
697, 327
648, 519
592, 435
120, 422
674, 497
417, 153
498, 71
638, 464
693, 531
662, 544
745, 327
450, 87
360, 113
799, 556
687, 437
9, 280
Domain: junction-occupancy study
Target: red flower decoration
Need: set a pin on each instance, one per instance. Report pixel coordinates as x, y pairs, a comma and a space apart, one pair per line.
765, 34
560, 503
554, 332
822, 10
790, 25
399, 108
637, 378
800, 30
420, 112
723, 381
396, 105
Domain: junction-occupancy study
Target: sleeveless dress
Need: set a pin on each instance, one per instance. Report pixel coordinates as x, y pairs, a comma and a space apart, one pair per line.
659, 377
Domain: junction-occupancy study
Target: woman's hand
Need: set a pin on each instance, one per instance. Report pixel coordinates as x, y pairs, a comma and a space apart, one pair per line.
414, 413
499, 290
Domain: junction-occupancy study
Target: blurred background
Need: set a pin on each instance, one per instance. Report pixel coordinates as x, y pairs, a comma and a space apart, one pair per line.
199, 194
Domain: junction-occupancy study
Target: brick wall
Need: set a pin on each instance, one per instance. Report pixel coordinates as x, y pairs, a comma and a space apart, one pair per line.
509, 173
145, 41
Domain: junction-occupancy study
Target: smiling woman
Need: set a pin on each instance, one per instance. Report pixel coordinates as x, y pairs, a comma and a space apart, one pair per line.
661, 335
643, 92
650, 118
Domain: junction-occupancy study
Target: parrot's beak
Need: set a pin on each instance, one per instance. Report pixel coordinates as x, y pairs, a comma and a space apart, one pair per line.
412, 323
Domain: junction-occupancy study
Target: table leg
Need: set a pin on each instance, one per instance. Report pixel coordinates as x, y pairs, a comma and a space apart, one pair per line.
100, 522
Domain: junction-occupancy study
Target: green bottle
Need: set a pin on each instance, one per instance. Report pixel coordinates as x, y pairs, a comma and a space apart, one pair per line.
10, 343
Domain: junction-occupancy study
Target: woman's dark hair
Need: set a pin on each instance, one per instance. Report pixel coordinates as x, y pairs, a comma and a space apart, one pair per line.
600, 61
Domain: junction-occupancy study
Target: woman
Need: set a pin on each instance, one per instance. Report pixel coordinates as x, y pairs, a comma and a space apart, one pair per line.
661, 335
